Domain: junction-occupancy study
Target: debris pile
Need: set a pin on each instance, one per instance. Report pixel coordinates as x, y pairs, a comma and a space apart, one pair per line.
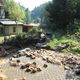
70, 62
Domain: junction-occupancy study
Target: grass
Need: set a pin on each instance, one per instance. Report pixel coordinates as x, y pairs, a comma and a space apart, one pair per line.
1, 39
74, 44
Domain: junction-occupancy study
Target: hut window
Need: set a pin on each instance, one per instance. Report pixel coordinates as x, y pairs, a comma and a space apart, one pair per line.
14, 29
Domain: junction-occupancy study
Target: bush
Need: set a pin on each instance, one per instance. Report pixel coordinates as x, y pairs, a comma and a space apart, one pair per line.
74, 45
35, 31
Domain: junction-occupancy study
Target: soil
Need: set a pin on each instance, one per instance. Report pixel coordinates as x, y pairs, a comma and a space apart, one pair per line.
54, 70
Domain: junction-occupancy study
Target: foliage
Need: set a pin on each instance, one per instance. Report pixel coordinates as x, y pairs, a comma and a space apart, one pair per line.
13, 10
27, 16
62, 14
21, 36
38, 13
74, 45
35, 31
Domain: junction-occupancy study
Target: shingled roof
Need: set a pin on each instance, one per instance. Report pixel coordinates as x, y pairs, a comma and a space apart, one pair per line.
8, 22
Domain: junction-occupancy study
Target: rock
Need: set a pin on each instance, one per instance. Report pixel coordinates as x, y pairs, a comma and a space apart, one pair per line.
49, 60
11, 59
28, 54
45, 65
61, 47
15, 56
34, 63
21, 54
28, 49
34, 70
33, 66
78, 62
18, 61
22, 67
44, 58
14, 64
66, 68
28, 70
77, 72
39, 69
33, 57
57, 62
25, 66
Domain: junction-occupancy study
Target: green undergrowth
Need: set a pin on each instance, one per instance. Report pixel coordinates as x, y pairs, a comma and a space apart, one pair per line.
74, 44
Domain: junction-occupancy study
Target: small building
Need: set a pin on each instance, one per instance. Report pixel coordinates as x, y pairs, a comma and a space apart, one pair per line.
27, 27
10, 27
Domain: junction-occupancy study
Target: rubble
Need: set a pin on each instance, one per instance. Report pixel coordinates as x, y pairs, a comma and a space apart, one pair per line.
45, 65
18, 61
34, 63
31, 67
14, 64
39, 69
33, 70
32, 57
69, 61
28, 70
25, 66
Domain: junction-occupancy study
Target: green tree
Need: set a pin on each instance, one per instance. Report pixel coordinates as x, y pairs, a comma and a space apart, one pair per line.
38, 13
28, 16
13, 10
62, 14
